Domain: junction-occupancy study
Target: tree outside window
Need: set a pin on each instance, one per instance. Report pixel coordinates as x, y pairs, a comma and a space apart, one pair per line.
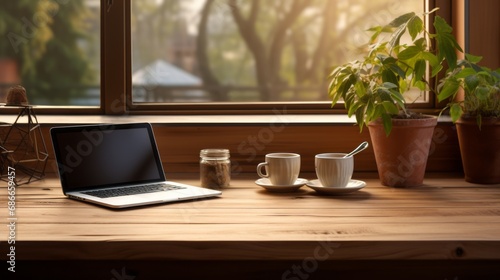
247, 50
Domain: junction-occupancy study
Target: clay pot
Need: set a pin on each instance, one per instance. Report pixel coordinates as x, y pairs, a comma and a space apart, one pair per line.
480, 149
402, 156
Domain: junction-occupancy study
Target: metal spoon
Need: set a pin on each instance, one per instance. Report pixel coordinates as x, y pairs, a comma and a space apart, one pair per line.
358, 149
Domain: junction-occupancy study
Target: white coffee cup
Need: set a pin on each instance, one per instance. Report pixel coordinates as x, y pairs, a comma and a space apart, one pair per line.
333, 170
282, 169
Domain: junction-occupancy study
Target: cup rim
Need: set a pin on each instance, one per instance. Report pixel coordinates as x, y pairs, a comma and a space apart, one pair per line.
333, 156
282, 155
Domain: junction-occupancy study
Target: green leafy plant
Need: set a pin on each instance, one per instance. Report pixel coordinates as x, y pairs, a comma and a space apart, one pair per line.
480, 86
375, 87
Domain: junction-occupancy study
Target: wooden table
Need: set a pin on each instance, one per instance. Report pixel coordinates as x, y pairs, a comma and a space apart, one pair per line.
447, 229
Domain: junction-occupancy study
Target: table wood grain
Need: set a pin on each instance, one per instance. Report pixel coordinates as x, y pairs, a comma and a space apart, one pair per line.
446, 219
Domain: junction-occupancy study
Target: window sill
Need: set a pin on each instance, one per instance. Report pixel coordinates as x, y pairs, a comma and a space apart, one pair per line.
250, 137
179, 120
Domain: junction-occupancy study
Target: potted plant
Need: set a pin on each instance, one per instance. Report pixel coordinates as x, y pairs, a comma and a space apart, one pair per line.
477, 117
374, 88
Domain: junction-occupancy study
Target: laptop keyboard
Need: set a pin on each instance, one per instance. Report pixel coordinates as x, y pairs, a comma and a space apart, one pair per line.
151, 188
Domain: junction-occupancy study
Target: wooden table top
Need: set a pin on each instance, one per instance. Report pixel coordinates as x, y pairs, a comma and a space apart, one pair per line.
446, 218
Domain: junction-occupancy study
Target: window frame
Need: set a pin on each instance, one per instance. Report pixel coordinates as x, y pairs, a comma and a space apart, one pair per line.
116, 83
320, 107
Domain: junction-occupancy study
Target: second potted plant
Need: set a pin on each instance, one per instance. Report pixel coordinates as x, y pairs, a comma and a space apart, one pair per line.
477, 116
373, 90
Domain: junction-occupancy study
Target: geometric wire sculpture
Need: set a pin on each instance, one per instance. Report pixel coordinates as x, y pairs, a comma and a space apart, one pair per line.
22, 147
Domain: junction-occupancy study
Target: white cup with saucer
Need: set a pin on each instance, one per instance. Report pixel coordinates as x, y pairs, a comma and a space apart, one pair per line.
282, 169
334, 172
281, 172
333, 169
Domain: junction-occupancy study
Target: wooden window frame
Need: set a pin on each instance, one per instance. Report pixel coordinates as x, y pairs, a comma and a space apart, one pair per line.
116, 75
431, 107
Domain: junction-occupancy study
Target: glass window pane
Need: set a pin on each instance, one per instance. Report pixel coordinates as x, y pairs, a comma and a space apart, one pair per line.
246, 50
52, 48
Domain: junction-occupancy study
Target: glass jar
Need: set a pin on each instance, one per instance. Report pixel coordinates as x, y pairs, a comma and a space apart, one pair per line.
215, 168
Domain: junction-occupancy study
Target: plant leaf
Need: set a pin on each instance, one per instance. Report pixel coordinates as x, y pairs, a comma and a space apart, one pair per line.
370, 108
386, 60
446, 42
389, 85
409, 53
419, 71
449, 88
471, 82
376, 32
441, 25
402, 19
496, 74
387, 122
400, 23
415, 26
403, 85
431, 58
360, 118
455, 111
436, 70
465, 72
360, 89
348, 101
473, 58
397, 96
396, 69
389, 76
420, 85
390, 108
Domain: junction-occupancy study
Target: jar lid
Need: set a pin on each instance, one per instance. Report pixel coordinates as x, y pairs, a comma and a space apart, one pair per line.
214, 153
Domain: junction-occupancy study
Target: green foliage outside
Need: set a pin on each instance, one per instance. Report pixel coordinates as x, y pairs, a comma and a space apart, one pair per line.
21, 38
45, 38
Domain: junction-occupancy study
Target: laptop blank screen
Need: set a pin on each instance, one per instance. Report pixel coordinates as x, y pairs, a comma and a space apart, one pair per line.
113, 155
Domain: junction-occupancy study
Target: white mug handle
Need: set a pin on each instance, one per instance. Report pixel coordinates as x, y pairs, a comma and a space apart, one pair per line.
259, 170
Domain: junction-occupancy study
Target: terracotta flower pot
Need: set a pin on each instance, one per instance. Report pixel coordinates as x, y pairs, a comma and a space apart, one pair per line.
480, 149
402, 156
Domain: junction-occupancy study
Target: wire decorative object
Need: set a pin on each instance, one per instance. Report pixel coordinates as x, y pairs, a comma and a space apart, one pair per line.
22, 147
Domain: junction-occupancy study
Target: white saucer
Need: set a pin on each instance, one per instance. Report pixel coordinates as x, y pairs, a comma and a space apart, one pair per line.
352, 186
266, 184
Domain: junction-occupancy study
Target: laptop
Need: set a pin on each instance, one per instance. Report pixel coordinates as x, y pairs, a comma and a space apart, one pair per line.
117, 166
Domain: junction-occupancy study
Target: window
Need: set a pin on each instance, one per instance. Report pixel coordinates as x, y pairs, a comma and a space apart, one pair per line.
248, 51
73, 56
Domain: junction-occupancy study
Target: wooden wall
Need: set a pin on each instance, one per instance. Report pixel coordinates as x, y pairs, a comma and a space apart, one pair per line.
180, 145
484, 31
